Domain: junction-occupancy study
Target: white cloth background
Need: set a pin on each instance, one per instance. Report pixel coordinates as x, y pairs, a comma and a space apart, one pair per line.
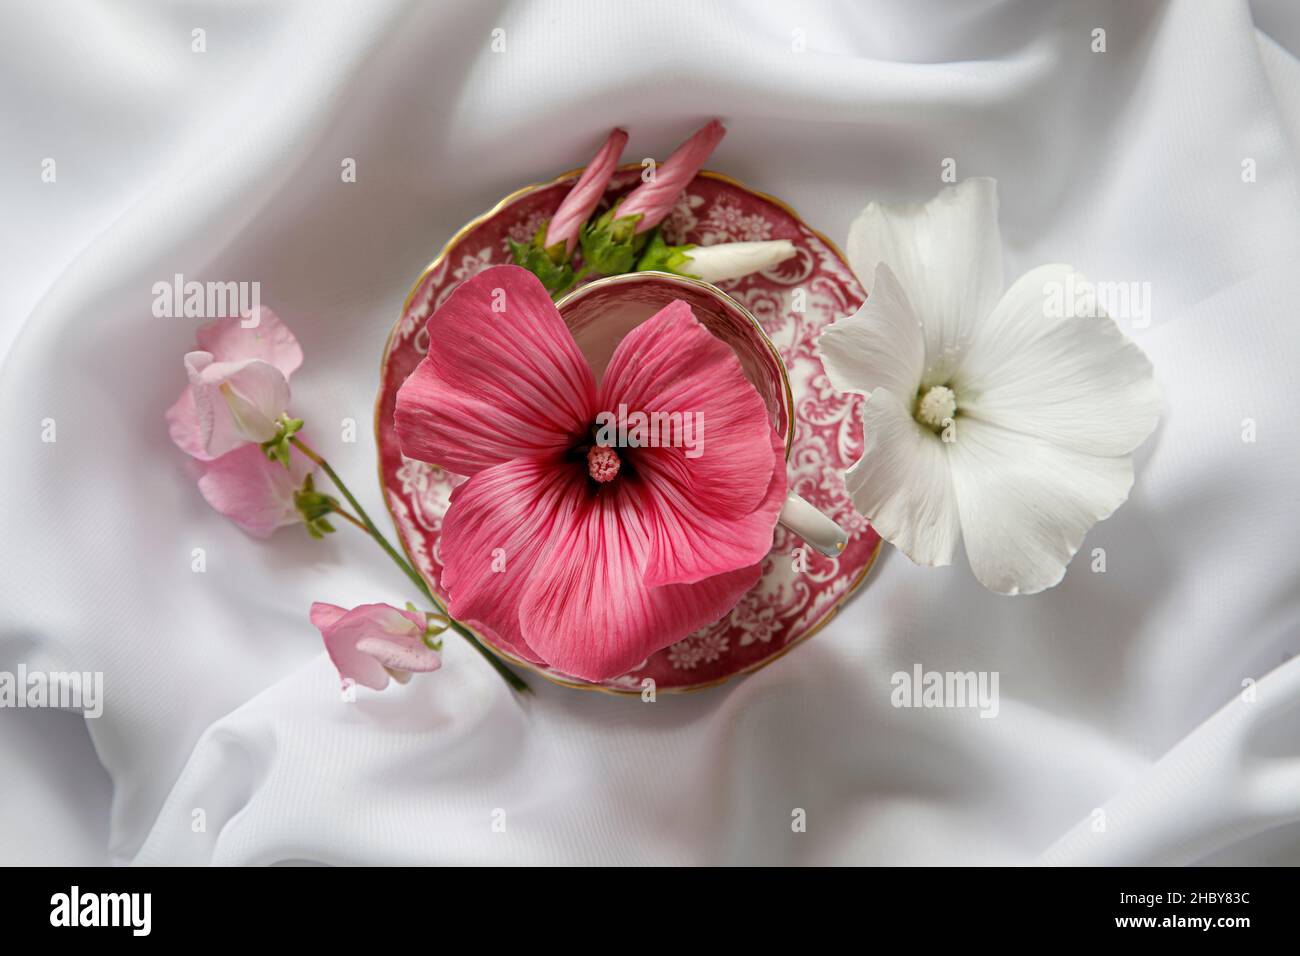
1119, 690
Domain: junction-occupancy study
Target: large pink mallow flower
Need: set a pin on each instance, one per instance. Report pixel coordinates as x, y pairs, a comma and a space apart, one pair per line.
655, 199
373, 642
581, 556
255, 492
239, 385
585, 195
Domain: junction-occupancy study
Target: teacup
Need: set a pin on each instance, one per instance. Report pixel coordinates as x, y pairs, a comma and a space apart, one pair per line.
602, 312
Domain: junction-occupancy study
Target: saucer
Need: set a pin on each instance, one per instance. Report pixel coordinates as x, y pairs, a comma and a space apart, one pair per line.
797, 593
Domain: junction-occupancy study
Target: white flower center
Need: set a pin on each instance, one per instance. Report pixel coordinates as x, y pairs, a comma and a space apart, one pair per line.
936, 406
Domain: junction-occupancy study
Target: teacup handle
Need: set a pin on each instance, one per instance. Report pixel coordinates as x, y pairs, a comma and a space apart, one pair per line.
813, 526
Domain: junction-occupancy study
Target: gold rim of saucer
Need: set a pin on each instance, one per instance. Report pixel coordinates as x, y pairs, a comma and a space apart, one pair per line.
496, 209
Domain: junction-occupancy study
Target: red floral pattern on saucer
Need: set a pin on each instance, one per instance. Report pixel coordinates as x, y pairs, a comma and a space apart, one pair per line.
794, 301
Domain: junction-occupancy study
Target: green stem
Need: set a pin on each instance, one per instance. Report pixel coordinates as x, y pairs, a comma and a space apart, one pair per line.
510, 677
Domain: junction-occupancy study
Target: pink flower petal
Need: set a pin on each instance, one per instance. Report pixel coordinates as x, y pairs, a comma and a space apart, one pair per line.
656, 199
585, 194
500, 527
253, 492
406, 654
183, 426
269, 340
363, 641
503, 378
714, 512
326, 615
687, 542
588, 611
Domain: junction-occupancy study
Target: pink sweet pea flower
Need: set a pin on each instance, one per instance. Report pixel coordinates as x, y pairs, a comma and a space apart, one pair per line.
372, 642
655, 200
239, 385
235, 402
610, 553
585, 195
254, 492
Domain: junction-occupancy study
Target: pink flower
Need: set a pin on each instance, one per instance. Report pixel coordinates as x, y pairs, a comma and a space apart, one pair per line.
235, 402
254, 492
239, 380
585, 195
239, 385
588, 561
372, 642
655, 200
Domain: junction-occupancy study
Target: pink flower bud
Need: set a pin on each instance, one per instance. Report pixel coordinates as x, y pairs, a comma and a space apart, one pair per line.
586, 194
370, 643
655, 199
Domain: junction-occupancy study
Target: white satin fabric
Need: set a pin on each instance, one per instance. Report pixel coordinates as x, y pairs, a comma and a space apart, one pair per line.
1128, 731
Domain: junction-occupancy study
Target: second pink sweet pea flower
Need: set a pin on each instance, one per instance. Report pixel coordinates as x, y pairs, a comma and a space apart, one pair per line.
610, 553
372, 642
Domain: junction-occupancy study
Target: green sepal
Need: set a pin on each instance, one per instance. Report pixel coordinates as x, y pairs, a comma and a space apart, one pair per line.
550, 265
434, 624
319, 528
661, 257
314, 506
277, 448
610, 243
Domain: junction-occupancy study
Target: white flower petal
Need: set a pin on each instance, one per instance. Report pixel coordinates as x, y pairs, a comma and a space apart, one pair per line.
882, 345
902, 483
947, 254
1025, 504
1075, 381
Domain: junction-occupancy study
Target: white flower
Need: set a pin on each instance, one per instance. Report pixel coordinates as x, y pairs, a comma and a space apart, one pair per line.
731, 260
1004, 417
